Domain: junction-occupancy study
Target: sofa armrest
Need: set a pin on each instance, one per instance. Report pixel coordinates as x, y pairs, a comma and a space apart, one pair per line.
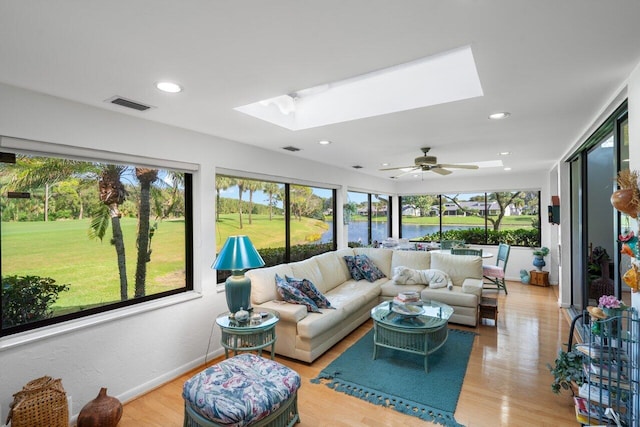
472, 286
288, 312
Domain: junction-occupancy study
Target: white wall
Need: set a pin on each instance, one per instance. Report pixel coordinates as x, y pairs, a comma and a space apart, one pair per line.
133, 350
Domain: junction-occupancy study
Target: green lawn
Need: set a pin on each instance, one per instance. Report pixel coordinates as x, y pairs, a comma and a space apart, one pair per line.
265, 233
89, 266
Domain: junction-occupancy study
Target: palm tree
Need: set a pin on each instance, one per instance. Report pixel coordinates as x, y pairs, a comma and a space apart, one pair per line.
251, 186
146, 177
241, 185
222, 183
112, 194
271, 188
36, 172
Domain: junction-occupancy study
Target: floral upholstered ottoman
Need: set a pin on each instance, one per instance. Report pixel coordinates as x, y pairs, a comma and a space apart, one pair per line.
245, 390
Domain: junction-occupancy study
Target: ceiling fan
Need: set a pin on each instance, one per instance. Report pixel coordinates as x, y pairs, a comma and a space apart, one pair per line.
429, 163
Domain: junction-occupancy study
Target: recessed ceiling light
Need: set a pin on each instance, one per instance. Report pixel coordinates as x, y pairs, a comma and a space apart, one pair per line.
507, 169
384, 164
498, 116
169, 87
324, 142
504, 153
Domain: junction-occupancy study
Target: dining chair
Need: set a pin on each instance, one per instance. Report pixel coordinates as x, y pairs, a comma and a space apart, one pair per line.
494, 274
449, 244
466, 251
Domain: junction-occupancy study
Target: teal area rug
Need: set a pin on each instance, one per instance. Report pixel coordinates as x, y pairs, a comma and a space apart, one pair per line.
396, 379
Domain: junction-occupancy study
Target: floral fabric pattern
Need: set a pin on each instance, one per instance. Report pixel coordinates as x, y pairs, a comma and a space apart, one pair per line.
353, 269
368, 268
241, 390
309, 289
294, 295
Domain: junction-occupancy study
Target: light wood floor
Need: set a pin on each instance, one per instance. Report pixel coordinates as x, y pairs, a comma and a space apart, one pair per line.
506, 384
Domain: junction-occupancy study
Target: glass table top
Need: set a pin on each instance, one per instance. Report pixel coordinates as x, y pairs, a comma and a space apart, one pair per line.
258, 319
431, 314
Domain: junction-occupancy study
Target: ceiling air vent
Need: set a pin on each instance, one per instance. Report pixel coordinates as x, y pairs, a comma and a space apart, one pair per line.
356, 167
291, 148
118, 100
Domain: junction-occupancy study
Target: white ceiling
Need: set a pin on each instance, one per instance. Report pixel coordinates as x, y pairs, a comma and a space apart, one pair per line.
552, 64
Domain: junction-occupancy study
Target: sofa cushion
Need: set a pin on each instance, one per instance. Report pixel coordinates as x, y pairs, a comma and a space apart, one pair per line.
454, 297
381, 257
368, 268
333, 269
309, 289
419, 260
294, 295
308, 269
263, 284
458, 267
390, 289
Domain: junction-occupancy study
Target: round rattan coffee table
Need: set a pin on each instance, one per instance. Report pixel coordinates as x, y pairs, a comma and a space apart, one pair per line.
422, 332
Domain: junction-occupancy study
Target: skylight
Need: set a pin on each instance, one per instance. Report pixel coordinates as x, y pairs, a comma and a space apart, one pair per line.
438, 79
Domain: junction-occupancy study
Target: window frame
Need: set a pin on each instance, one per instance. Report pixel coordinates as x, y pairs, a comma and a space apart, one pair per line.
15, 146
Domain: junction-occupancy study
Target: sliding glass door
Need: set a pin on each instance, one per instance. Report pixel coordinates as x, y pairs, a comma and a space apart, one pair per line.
595, 224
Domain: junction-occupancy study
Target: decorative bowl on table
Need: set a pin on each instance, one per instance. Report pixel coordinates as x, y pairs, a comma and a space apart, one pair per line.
407, 310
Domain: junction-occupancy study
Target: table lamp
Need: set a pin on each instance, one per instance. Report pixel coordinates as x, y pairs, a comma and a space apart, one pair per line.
238, 254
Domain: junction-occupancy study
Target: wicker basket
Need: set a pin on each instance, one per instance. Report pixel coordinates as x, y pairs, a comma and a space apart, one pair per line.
41, 402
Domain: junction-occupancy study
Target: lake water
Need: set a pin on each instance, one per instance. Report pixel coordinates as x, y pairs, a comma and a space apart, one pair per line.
358, 231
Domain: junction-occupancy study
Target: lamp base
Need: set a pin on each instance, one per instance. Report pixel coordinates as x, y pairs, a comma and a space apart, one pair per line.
238, 292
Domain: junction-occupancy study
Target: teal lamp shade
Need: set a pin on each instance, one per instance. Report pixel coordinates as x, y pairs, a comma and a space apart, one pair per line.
238, 254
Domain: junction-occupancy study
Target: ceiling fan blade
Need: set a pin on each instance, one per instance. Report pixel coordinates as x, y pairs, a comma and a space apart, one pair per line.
442, 165
440, 171
399, 167
413, 170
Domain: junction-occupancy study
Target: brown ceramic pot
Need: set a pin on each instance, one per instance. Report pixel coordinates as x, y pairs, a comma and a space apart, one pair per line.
621, 200
103, 411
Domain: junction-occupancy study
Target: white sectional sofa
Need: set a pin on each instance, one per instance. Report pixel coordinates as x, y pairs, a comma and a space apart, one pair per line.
305, 336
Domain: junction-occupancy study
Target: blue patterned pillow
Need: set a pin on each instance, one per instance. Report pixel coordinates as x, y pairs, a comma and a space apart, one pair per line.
309, 289
294, 295
368, 268
353, 269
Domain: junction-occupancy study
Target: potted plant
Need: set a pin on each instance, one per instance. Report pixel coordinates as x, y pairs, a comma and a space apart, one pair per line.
568, 373
538, 257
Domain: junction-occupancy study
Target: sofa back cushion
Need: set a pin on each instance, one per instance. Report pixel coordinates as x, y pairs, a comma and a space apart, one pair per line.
380, 257
417, 260
333, 269
263, 282
458, 267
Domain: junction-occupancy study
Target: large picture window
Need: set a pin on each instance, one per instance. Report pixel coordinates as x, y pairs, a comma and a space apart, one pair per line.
285, 222
82, 237
368, 217
511, 217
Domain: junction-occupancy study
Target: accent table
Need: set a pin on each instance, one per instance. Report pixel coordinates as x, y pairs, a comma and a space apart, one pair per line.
248, 335
420, 334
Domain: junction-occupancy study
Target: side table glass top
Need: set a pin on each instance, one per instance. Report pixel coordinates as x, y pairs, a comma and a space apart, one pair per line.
434, 314
267, 318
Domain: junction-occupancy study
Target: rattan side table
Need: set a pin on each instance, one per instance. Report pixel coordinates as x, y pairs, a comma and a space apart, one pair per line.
249, 335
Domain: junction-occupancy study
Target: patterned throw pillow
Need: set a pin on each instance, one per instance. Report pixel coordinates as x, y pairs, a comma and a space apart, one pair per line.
368, 268
353, 269
294, 296
309, 289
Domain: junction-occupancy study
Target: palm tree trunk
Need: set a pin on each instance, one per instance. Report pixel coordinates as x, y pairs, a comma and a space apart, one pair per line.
143, 240
118, 242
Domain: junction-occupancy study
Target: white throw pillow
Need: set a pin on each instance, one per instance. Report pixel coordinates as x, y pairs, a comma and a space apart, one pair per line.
407, 276
437, 278
432, 277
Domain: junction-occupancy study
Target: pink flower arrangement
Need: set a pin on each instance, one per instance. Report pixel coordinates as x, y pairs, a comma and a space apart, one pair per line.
609, 301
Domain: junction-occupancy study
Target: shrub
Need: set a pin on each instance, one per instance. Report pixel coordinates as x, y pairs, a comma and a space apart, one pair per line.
28, 299
517, 237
